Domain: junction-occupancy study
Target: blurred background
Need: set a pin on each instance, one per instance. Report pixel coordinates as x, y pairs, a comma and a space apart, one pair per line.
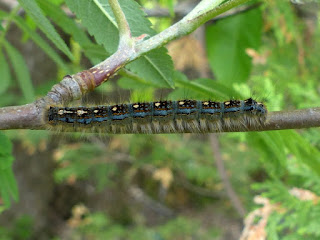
168, 186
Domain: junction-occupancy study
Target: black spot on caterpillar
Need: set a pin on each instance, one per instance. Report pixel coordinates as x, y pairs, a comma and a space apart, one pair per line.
159, 117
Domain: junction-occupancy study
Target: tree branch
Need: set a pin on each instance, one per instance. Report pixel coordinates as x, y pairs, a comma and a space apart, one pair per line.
32, 116
75, 86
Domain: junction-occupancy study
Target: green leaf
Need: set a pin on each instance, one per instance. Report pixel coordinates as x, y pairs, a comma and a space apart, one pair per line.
98, 18
227, 42
142, 95
69, 26
155, 67
56, 2
6, 157
3, 15
170, 5
21, 70
284, 16
35, 12
275, 144
8, 185
41, 43
204, 88
132, 84
4, 73
303, 150
95, 51
272, 150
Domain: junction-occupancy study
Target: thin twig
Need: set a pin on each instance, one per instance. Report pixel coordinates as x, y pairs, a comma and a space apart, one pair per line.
32, 116
185, 183
224, 176
140, 196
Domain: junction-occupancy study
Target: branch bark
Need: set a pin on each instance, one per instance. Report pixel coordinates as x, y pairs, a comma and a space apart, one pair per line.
32, 116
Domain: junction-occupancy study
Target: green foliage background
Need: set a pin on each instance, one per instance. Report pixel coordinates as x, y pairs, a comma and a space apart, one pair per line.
266, 163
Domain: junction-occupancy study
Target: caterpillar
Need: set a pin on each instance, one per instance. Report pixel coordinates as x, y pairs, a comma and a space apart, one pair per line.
159, 117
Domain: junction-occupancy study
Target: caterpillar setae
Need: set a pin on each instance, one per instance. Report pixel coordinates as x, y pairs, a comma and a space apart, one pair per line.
159, 117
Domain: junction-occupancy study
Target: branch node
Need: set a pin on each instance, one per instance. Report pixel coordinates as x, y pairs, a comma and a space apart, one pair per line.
86, 79
141, 37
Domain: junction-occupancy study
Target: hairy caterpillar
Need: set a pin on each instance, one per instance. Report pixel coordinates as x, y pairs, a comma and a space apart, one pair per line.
159, 117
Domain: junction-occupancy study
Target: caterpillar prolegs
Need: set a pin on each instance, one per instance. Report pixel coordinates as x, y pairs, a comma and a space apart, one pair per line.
159, 117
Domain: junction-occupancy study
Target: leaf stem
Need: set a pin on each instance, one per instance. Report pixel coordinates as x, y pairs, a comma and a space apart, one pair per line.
123, 25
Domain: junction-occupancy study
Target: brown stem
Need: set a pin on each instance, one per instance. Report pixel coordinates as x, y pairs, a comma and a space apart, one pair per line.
224, 176
140, 196
20, 117
31, 116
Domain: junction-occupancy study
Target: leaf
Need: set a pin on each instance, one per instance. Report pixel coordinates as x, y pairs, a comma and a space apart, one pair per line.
95, 51
41, 43
275, 143
21, 70
4, 73
3, 15
129, 83
142, 95
8, 185
303, 150
6, 157
98, 18
69, 26
35, 12
56, 2
170, 4
205, 88
271, 147
281, 18
227, 41
156, 67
